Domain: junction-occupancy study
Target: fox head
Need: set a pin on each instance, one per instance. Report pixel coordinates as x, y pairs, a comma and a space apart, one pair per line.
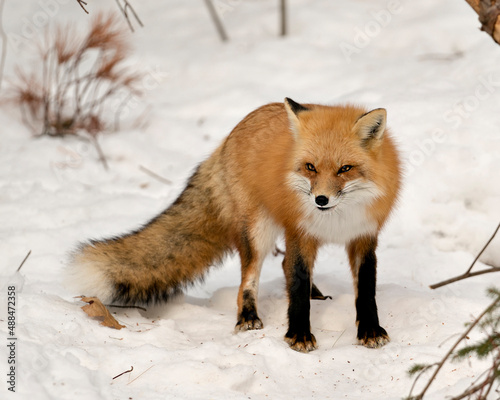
337, 155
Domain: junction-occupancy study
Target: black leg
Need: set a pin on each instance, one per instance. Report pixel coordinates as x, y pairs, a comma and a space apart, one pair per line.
364, 268
297, 267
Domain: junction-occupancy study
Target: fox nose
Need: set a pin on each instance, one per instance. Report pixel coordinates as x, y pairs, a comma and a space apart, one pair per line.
321, 200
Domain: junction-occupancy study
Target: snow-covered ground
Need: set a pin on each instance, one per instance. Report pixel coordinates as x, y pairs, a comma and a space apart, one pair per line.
426, 62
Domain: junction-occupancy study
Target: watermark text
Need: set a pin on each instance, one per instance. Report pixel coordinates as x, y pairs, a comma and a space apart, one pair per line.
11, 338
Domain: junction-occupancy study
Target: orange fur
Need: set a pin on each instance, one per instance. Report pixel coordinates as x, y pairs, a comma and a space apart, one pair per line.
267, 178
261, 151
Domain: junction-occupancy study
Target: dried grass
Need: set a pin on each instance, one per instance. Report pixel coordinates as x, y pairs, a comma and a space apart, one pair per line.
76, 79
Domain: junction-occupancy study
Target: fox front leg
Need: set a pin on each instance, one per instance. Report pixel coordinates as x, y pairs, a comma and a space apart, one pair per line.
297, 265
315, 292
363, 263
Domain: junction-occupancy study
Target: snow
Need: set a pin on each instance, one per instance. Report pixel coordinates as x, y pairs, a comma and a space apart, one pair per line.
426, 62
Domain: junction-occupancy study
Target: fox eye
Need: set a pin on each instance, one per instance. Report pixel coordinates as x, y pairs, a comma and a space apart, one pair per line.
310, 167
344, 168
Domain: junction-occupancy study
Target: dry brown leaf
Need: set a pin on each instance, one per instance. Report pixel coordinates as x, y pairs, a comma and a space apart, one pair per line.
96, 309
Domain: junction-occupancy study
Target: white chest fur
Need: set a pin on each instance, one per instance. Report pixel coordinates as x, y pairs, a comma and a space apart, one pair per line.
340, 225
346, 220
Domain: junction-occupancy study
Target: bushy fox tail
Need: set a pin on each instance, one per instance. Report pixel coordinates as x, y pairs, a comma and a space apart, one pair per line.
172, 251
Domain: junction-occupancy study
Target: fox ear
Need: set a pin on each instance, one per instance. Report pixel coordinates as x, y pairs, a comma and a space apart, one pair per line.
293, 110
370, 127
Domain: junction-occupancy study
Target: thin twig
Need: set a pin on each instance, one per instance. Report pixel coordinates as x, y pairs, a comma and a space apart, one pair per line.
120, 306
3, 35
441, 56
338, 339
123, 9
119, 110
25, 119
283, 17
125, 372
465, 276
420, 374
155, 175
468, 273
82, 4
140, 375
216, 20
484, 248
102, 157
450, 351
25, 258
127, 5
473, 389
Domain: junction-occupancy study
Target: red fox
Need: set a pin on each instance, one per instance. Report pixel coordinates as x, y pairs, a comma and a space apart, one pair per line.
315, 174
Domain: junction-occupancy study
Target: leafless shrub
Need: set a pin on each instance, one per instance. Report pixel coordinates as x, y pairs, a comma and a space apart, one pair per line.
76, 79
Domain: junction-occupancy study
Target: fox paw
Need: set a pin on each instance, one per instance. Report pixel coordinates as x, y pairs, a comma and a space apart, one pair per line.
248, 323
373, 337
304, 342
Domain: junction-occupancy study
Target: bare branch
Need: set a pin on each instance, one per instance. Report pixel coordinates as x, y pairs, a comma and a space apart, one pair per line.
283, 17
123, 8
216, 20
452, 349
468, 273
25, 258
140, 375
102, 157
124, 372
484, 248
464, 276
83, 4
155, 175
3, 35
485, 383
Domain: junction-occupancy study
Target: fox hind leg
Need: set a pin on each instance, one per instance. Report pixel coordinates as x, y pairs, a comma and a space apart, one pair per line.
255, 242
